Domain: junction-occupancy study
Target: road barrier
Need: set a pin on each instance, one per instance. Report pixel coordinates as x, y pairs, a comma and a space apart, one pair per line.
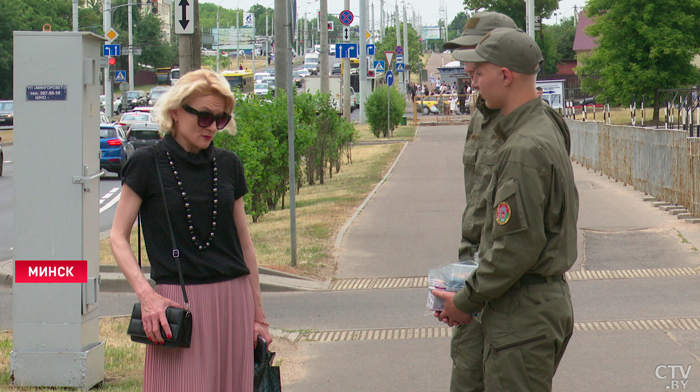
660, 162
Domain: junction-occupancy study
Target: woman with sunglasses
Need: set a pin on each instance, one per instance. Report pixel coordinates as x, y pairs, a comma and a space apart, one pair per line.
203, 188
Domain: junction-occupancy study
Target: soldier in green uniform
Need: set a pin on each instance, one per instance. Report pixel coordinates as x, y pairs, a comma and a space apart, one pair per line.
478, 158
529, 236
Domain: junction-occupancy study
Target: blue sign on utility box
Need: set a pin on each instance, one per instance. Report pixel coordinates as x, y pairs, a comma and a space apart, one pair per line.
47, 93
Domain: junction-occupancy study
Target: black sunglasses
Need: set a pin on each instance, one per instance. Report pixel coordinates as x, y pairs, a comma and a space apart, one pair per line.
205, 119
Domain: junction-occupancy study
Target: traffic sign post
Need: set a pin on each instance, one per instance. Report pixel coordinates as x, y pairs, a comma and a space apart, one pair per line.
399, 50
399, 67
346, 17
389, 78
346, 51
389, 57
370, 49
120, 76
399, 59
346, 34
184, 14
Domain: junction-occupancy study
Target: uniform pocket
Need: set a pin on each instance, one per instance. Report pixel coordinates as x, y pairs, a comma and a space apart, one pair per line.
520, 363
469, 155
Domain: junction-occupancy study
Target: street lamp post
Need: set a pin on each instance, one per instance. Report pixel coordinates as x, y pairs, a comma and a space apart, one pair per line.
238, 38
218, 35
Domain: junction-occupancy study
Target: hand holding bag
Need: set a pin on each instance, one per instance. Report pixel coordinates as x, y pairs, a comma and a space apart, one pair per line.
267, 377
179, 320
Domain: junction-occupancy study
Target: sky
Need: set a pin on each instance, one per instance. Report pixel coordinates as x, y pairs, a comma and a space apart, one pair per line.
430, 11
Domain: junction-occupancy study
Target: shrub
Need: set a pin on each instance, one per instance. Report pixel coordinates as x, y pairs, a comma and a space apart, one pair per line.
376, 108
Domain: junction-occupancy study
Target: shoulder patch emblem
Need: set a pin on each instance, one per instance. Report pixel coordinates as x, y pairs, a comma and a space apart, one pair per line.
503, 212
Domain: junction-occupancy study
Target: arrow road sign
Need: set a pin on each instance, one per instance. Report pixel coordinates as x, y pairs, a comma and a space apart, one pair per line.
389, 78
370, 49
346, 51
379, 66
112, 50
346, 33
120, 76
399, 67
184, 13
399, 50
346, 17
389, 57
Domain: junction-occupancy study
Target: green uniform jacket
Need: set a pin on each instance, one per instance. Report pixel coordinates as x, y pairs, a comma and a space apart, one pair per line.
479, 157
531, 210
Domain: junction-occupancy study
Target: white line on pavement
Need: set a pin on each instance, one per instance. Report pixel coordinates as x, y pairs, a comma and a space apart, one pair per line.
108, 195
111, 203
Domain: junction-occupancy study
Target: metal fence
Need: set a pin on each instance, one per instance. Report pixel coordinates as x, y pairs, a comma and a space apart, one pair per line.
660, 162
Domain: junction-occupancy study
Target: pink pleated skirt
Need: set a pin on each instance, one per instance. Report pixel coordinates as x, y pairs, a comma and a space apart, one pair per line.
220, 357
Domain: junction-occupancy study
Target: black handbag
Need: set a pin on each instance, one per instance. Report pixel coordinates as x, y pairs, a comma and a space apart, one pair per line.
266, 377
179, 320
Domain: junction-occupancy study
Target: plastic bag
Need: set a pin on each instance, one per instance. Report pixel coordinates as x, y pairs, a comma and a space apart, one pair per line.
450, 277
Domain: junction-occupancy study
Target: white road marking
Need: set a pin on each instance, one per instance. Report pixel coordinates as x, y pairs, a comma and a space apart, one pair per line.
108, 195
111, 203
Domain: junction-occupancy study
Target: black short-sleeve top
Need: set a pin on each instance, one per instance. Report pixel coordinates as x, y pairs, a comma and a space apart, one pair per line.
223, 259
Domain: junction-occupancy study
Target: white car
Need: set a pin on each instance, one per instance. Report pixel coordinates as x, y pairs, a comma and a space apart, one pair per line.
304, 72
260, 76
261, 88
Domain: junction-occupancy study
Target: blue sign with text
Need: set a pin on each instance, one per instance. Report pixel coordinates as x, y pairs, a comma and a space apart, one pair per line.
47, 93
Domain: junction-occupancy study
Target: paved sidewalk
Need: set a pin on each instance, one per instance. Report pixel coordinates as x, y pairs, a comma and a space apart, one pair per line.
634, 286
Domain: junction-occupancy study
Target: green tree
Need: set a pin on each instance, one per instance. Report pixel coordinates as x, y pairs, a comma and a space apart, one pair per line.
514, 8
557, 43
376, 108
454, 29
642, 47
388, 44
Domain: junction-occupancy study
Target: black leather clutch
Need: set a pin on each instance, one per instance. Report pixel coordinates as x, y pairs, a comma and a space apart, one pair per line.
180, 321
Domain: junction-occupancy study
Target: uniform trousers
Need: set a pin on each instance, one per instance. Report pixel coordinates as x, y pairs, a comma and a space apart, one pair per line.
524, 334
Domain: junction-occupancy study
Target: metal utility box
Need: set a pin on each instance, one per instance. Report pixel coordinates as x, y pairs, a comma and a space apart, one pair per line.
56, 185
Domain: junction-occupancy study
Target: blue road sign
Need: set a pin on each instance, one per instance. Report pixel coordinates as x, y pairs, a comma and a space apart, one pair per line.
370, 49
120, 76
379, 65
389, 78
346, 17
112, 50
399, 67
399, 50
346, 51
399, 59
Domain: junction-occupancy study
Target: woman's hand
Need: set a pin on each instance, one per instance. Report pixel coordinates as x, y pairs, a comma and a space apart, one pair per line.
262, 330
153, 307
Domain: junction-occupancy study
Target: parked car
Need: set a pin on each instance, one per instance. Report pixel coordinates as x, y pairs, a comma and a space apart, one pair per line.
155, 94
114, 147
134, 99
129, 118
261, 89
144, 134
2, 158
336, 69
6, 113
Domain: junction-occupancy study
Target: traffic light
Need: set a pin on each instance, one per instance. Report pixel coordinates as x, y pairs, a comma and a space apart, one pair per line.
112, 67
112, 61
154, 8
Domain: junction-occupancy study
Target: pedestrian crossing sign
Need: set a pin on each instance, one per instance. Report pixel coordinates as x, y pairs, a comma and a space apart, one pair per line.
379, 65
399, 67
120, 76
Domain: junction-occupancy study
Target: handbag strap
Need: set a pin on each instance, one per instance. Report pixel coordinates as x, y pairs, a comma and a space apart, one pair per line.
176, 251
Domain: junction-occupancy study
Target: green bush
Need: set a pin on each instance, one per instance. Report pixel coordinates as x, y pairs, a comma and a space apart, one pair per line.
262, 139
376, 108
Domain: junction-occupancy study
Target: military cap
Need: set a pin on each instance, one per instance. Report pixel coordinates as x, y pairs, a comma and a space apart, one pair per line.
504, 47
477, 26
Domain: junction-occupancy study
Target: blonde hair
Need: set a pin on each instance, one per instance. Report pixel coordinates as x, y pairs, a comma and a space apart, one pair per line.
192, 85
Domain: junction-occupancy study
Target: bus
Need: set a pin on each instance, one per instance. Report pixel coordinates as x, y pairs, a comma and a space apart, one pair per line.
163, 76
243, 81
354, 64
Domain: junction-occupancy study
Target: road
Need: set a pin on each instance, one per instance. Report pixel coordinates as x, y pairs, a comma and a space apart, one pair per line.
110, 191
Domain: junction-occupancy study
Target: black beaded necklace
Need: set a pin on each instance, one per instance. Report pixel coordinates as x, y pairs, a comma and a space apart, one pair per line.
190, 225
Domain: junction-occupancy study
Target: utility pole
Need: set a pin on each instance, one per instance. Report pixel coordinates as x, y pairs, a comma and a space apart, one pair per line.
106, 26
373, 30
131, 50
364, 86
346, 80
280, 47
398, 43
407, 77
530, 11
190, 55
381, 17
267, 40
218, 37
255, 41
323, 58
290, 133
238, 41
75, 15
